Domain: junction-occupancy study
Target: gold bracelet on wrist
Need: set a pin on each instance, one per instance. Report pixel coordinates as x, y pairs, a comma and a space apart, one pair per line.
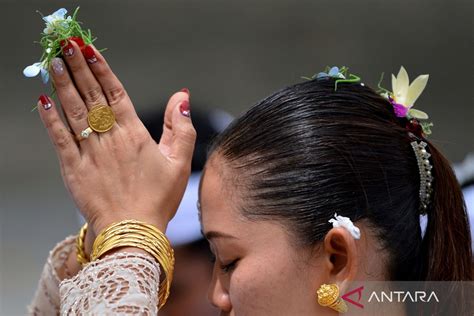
132, 233
81, 255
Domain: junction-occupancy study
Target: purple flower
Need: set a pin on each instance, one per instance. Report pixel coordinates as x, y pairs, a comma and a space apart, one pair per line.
400, 109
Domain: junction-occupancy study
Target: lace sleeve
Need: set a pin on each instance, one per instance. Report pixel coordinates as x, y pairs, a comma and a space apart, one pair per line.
46, 299
119, 284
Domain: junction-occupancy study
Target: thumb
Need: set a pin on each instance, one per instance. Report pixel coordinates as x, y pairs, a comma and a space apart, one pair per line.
183, 133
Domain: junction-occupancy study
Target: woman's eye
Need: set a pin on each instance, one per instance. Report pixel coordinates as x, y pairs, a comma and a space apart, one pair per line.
226, 268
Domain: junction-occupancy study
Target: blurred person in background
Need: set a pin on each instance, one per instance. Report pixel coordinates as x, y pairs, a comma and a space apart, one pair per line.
193, 266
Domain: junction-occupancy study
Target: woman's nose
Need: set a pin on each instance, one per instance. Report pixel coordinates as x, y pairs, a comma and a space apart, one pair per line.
218, 296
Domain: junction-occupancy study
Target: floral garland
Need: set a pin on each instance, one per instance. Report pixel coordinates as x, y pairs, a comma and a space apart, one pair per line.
59, 29
402, 97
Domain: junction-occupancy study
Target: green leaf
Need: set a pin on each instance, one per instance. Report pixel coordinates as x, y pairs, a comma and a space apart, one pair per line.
426, 126
418, 114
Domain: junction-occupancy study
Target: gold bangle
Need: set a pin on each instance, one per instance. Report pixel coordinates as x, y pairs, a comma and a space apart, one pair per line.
132, 233
81, 255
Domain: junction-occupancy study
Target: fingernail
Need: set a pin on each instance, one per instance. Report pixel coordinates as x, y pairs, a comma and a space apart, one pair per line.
58, 66
186, 90
45, 101
79, 41
68, 49
184, 108
89, 54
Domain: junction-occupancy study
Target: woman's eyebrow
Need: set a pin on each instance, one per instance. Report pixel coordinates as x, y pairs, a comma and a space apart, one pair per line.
215, 234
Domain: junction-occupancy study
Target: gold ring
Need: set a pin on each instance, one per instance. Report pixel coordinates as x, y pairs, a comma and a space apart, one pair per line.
101, 118
84, 134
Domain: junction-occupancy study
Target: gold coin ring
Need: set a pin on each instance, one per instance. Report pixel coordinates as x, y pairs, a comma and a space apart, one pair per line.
101, 118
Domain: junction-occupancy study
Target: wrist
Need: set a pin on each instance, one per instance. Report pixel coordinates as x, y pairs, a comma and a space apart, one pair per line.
133, 235
100, 226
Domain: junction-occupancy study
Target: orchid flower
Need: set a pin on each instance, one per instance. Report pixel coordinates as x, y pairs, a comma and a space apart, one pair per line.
56, 19
35, 69
405, 94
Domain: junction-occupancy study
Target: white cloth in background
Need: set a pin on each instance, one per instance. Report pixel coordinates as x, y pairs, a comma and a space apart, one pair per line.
469, 199
185, 227
464, 173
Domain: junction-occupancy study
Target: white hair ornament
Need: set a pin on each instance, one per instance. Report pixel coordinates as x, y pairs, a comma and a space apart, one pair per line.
342, 221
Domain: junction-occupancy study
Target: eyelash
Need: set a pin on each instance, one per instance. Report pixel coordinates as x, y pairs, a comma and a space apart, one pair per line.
227, 268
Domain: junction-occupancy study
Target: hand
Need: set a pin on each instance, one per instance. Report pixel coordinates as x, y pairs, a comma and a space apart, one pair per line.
122, 173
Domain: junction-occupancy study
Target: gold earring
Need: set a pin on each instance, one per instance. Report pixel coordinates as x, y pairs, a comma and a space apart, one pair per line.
328, 296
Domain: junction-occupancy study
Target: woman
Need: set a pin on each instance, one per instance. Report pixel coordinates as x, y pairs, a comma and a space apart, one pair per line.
273, 181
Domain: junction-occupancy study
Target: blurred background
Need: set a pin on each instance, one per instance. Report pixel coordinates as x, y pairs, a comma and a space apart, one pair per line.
229, 54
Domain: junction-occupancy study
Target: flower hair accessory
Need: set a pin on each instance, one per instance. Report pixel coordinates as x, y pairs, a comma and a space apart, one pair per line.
59, 29
403, 97
342, 221
340, 74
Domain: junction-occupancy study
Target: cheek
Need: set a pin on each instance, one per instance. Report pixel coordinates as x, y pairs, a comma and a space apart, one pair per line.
273, 286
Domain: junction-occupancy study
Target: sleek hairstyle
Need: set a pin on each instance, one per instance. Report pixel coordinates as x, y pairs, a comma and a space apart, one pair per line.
308, 151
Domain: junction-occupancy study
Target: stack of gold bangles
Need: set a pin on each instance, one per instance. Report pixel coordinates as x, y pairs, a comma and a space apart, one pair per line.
132, 233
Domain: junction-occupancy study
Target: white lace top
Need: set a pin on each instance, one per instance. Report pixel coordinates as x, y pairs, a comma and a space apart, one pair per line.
119, 284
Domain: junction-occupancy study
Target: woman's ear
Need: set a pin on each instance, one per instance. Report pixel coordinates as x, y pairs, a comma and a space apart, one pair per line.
341, 256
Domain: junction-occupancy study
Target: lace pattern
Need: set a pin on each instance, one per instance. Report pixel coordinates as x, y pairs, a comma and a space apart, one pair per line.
119, 284
46, 300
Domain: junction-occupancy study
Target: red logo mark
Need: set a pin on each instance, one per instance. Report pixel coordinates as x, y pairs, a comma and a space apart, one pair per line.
358, 290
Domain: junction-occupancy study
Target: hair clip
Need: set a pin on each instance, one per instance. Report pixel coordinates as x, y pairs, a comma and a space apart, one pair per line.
402, 98
340, 74
426, 178
342, 221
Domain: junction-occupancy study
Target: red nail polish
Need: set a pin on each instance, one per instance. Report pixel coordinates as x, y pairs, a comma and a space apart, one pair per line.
185, 90
68, 49
184, 108
45, 101
78, 40
89, 54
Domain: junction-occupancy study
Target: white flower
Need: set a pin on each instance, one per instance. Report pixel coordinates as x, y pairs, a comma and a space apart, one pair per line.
35, 69
406, 94
341, 221
54, 19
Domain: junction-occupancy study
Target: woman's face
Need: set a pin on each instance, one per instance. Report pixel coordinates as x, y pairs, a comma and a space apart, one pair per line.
257, 270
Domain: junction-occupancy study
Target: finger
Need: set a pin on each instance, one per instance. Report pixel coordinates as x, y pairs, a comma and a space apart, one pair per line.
113, 89
166, 138
63, 141
184, 134
87, 85
71, 102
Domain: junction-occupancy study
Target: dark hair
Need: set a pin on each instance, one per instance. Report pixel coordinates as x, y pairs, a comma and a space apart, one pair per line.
308, 151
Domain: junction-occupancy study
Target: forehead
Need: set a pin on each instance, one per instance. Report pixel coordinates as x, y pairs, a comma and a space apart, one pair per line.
217, 205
